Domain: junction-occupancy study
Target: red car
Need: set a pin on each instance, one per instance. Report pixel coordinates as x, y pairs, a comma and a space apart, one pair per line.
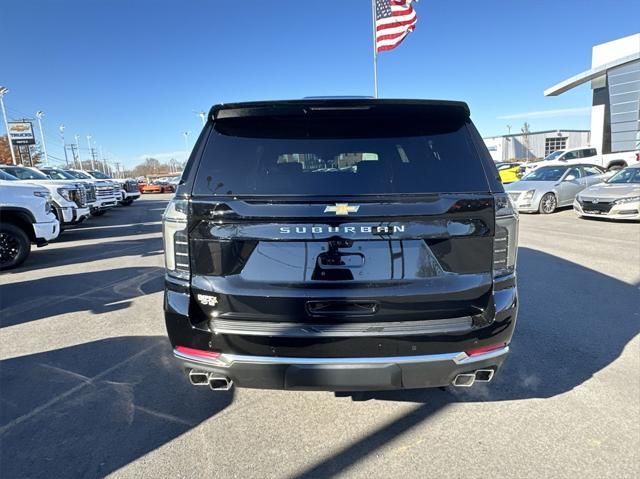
157, 187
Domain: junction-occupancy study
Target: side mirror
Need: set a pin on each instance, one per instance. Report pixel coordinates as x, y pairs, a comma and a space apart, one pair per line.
570, 178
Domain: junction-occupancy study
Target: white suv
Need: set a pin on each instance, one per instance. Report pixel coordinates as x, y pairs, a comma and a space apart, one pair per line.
25, 217
69, 198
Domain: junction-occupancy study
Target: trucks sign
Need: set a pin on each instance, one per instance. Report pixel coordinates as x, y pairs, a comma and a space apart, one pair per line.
21, 133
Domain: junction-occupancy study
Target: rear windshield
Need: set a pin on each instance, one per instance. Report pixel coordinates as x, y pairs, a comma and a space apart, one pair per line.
342, 157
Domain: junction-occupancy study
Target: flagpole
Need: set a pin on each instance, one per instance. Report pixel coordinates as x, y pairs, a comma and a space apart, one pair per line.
375, 53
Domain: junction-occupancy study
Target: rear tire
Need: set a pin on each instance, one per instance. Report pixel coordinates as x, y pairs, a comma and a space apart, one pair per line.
15, 246
548, 204
99, 212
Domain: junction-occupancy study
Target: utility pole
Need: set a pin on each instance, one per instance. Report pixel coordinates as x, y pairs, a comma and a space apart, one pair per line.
64, 146
77, 137
90, 150
4, 90
39, 115
74, 154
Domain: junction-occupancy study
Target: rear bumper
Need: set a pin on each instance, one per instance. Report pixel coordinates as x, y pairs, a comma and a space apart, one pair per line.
343, 374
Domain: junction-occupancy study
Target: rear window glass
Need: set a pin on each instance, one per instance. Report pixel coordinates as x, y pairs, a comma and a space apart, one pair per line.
268, 156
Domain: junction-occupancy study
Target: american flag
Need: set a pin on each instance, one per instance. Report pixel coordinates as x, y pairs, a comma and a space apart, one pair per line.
394, 20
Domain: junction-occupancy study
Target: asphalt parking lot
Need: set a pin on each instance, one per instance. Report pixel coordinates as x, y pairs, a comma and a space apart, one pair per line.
88, 386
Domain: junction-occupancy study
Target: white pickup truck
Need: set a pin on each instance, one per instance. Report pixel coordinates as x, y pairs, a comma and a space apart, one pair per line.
25, 217
69, 198
588, 155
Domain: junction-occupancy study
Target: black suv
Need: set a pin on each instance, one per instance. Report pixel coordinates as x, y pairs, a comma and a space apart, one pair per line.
340, 244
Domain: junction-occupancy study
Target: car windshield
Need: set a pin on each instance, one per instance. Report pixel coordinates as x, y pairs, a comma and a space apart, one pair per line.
79, 175
6, 176
58, 174
553, 155
25, 173
547, 173
100, 175
628, 175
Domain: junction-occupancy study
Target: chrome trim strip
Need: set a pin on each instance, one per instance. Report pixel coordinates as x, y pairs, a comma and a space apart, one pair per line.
380, 328
226, 360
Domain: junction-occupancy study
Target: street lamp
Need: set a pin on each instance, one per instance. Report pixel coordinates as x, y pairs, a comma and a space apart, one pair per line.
64, 146
4, 90
39, 115
203, 116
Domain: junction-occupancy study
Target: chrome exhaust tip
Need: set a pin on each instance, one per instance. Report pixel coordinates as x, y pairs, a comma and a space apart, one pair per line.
198, 378
484, 375
220, 383
464, 380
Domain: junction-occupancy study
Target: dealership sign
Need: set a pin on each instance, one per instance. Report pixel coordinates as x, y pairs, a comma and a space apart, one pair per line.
21, 133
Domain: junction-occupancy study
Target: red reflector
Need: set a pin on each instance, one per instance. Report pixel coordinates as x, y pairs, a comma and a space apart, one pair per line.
198, 352
485, 349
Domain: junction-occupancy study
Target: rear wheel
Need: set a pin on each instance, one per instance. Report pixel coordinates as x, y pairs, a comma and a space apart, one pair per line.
548, 204
99, 212
14, 246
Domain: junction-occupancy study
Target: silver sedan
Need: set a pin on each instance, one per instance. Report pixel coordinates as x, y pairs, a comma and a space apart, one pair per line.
550, 187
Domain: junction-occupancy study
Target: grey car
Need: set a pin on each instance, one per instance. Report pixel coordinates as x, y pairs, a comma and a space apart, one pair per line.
618, 198
550, 187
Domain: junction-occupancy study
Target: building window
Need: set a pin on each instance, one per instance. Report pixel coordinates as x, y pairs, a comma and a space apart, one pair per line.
624, 105
554, 143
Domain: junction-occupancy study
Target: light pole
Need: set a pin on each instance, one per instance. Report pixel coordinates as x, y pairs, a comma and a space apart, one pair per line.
203, 116
77, 137
4, 90
186, 143
39, 115
64, 146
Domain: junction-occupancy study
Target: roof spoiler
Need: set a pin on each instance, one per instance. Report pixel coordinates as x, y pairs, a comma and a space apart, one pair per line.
307, 106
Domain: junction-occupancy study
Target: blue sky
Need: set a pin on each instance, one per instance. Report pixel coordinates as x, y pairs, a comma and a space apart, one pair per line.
131, 73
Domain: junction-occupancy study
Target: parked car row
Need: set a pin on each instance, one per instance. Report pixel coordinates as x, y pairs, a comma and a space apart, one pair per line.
36, 205
513, 171
592, 191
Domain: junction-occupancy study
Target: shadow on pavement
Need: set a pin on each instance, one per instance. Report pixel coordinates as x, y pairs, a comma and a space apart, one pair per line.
87, 410
572, 323
95, 291
49, 257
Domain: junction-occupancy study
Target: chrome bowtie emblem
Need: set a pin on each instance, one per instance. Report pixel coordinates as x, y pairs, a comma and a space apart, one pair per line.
342, 209
595, 202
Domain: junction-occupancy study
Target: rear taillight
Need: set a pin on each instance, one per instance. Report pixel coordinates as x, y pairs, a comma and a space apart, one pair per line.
505, 243
176, 245
638, 156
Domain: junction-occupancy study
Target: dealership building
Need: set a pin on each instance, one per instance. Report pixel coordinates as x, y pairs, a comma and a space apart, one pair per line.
615, 81
535, 144
615, 111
